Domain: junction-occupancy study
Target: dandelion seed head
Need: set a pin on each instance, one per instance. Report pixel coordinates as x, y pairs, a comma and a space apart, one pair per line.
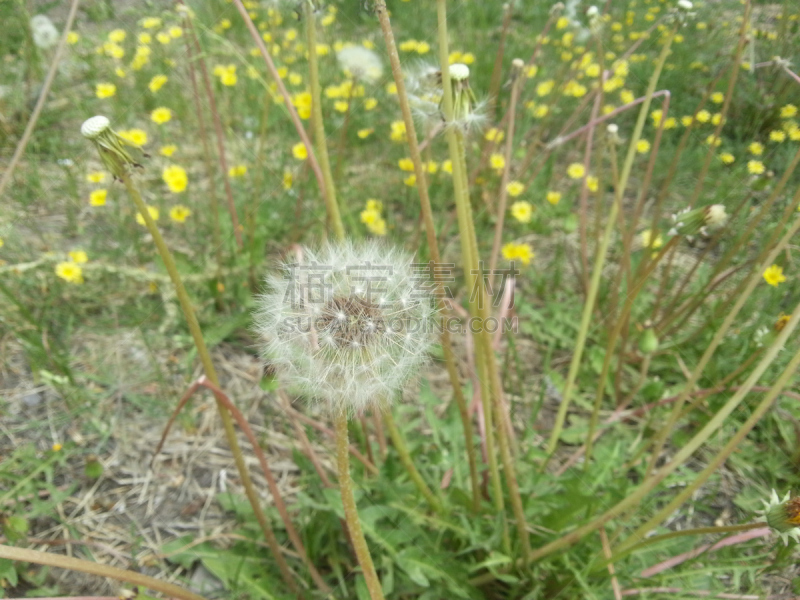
348, 326
362, 63
45, 34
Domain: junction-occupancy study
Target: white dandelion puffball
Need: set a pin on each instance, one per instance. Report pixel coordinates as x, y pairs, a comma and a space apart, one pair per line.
45, 34
350, 325
362, 63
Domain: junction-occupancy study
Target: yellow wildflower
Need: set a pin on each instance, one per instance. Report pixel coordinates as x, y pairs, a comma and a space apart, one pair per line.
237, 171
756, 167
98, 197
777, 136
69, 272
156, 83
175, 177
774, 275
96, 177
406, 164
398, 131
364, 133
78, 256
515, 188
727, 158
161, 115
522, 211
179, 213
299, 151
105, 90
497, 162
521, 252
788, 111
168, 150
576, 171
136, 137
553, 197
642, 146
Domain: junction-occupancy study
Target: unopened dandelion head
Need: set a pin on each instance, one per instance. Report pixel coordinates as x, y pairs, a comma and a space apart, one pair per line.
109, 144
362, 63
783, 515
348, 326
45, 34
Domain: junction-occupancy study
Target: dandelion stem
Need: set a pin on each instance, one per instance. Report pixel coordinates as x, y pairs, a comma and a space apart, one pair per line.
220, 137
501, 206
684, 532
211, 373
86, 566
351, 511
591, 296
405, 457
318, 124
433, 246
466, 236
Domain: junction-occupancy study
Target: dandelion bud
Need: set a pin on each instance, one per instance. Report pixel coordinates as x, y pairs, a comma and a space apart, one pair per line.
464, 102
516, 67
648, 343
783, 516
109, 144
613, 134
716, 216
348, 326
692, 222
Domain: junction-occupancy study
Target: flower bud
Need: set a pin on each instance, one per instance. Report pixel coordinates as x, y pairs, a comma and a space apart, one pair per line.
109, 144
648, 342
784, 516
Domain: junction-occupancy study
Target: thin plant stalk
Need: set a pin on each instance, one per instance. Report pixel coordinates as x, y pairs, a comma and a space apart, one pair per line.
318, 124
491, 387
612, 342
591, 296
501, 206
497, 70
405, 457
462, 206
86, 566
216, 236
219, 136
433, 246
351, 511
683, 533
287, 100
752, 282
208, 367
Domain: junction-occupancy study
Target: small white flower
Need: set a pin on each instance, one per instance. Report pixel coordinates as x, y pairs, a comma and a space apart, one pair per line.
45, 34
685, 4
349, 326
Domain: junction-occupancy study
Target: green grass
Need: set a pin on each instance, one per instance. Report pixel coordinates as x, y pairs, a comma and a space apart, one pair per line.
48, 324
